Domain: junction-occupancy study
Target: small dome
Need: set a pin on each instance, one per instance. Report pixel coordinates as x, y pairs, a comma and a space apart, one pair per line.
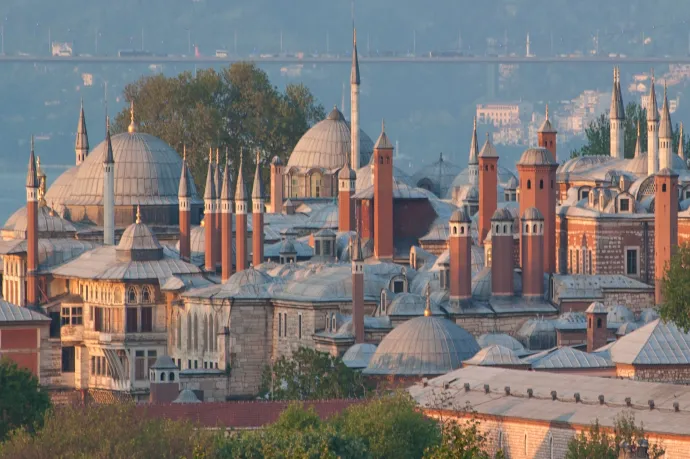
596, 308
164, 362
648, 315
359, 355
410, 304
466, 193
347, 174
460, 216
626, 328
50, 225
276, 161
532, 213
326, 145
138, 243
506, 341
537, 334
248, 276
619, 315
436, 177
186, 396
494, 355
423, 346
511, 184
287, 248
502, 214
537, 157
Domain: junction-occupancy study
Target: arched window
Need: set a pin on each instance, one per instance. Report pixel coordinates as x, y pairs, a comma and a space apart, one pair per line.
146, 295
162, 376
599, 323
541, 184
204, 336
534, 230
380, 159
663, 187
189, 331
505, 229
527, 228
462, 230
179, 331
334, 324
529, 184
455, 230
195, 330
131, 295
172, 376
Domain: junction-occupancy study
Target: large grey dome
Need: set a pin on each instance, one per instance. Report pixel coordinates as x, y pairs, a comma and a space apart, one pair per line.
423, 346
327, 145
147, 172
50, 225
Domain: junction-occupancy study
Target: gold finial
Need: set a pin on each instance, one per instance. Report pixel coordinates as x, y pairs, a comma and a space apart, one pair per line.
217, 155
427, 310
138, 214
547, 111
184, 152
132, 124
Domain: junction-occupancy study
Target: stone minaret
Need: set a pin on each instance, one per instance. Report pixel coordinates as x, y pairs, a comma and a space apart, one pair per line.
357, 289
665, 225
537, 174
347, 179
108, 190
532, 253
473, 161
354, 105
81, 146
383, 197
241, 222
184, 197
32, 231
665, 136
652, 132
617, 118
681, 139
218, 182
226, 210
460, 246
258, 215
638, 147
546, 136
597, 332
277, 185
488, 183
502, 253
209, 216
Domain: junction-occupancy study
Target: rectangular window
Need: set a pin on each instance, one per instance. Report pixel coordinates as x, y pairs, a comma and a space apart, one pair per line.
93, 365
77, 316
147, 319
317, 249
631, 258
189, 364
131, 320
285, 324
98, 319
140, 366
625, 205
299, 326
65, 316
152, 358
68, 359
398, 286
280, 324
196, 364
55, 324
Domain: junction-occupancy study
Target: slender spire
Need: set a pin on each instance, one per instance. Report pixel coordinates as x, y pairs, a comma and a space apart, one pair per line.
240, 190
138, 214
183, 191
227, 189
109, 159
681, 140
32, 176
217, 179
616, 112
474, 145
132, 124
258, 189
652, 107
638, 148
488, 150
354, 75
620, 94
546, 125
82, 141
665, 130
427, 294
383, 142
210, 191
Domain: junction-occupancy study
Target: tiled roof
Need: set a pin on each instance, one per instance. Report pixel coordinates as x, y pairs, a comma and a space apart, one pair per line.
494, 355
564, 358
12, 313
657, 343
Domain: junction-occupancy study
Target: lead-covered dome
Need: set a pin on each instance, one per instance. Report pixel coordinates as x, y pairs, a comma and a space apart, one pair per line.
423, 346
537, 157
147, 172
138, 243
50, 225
327, 145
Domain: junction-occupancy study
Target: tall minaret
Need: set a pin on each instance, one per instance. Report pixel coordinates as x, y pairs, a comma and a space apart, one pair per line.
209, 216
258, 215
652, 131
217, 181
226, 210
473, 162
240, 222
184, 197
32, 231
681, 139
108, 189
617, 116
81, 146
665, 136
354, 105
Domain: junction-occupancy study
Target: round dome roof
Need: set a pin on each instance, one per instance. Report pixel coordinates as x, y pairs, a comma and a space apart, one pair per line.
50, 225
619, 314
501, 339
512, 184
532, 213
637, 165
537, 334
466, 193
423, 346
503, 215
463, 178
147, 172
60, 189
410, 304
138, 243
537, 157
440, 173
359, 355
326, 145
648, 315
494, 355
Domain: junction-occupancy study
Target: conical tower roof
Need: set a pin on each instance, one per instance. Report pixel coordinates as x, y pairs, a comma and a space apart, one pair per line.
241, 190
488, 150
183, 190
82, 141
681, 140
258, 188
210, 191
474, 146
109, 158
652, 107
226, 191
546, 126
638, 148
383, 143
354, 74
31, 175
217, 179
665, 131
617, 111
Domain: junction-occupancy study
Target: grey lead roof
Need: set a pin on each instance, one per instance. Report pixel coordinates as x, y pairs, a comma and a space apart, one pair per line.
359, 355
652, 107
109, 145
226, 192
495, 355
488, 150
564, 358
183, 190
82, 140
656, 343
665, 129
504, 340
12, 313
617, 111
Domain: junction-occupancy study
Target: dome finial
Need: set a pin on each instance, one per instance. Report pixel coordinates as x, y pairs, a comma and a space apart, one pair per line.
132, 124
547, 111
383, 125
138, 214
427, 293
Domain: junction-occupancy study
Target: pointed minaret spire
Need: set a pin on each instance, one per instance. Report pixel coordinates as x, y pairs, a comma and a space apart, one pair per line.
354, 105
665, 136
652, 106
81, 146
617, 116
354, 74
226, 210
184, 208
652, 130
210, 201
240, 221
109, 159
638, 148
258, 188
681, 140
210, 190
32, 176
258, 214
183, 190
108, 189
31, 233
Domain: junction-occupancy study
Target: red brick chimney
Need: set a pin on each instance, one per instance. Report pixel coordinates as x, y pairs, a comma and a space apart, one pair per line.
488, 183
184, 196
209, 216
226, 209
537, 171
546, 136
502, 253
665, 226
357, 289
276, 185
347, 179
32, 231
597, 333
460, 246
258, 215
241, 222
383, 197
532, 253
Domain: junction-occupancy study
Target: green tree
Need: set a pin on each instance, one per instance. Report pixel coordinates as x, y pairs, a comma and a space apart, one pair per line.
461, 440
597, 443
309, 375
598, 135
104, 431
237, 108
675, 286
390, 426
22, 402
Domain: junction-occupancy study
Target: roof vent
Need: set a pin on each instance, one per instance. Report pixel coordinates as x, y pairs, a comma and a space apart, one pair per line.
425, 382
467, 387
676, 407
601, 399
446, 385
577, 397
486, 388
628, 401
507, 389
651, 404
530, 393
554, 395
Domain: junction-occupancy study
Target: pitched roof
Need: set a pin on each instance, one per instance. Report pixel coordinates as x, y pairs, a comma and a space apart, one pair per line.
383, 142
656, 343
12, 313
568, 358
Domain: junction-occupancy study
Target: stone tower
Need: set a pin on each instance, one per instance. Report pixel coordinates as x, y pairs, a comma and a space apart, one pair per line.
652, 132
240, 222
546, 136
502, 253
617, 118
532, 243
277, 169
81, 146
597, 333
32, 231
460, 247
226, 210
357, 289
209, 216
347, 179
665, 136
383, 197
665, 225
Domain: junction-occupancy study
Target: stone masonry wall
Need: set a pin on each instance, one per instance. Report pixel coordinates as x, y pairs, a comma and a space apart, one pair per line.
674, 374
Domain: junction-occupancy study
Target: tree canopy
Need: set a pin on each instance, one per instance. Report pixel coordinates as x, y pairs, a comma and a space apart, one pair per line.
237, 108
676, 289
311, 375
22, 402
598, 134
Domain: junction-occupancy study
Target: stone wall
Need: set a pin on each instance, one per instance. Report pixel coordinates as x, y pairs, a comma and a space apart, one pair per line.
508, 324
633, 300
674, 374
212, 384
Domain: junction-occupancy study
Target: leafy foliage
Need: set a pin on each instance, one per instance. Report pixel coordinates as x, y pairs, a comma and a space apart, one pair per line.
237, 108
310, 375
102, 431
596, 443
676, 289
22, 403
461, 440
